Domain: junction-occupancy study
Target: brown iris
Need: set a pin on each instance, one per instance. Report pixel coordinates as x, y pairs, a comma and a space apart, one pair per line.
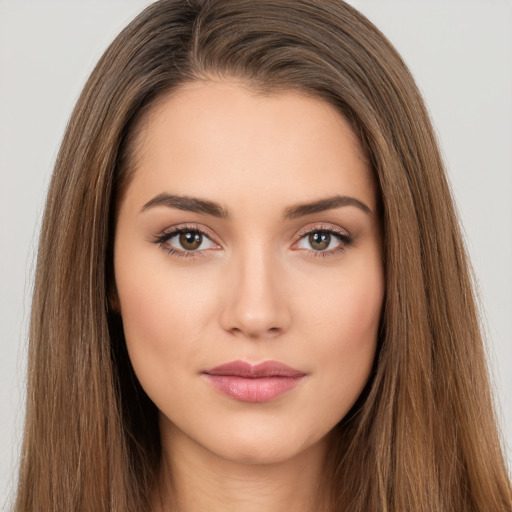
319, 240
190, 240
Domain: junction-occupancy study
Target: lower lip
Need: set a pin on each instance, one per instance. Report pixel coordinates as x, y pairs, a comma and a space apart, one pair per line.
255, 390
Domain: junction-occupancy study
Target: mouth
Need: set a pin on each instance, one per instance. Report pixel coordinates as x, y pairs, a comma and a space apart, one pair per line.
259, 383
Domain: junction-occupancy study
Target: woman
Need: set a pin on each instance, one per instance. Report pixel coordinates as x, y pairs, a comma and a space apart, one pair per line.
268, 306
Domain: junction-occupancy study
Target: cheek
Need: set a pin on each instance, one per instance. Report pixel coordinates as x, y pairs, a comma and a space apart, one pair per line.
345, 304
345, 325
163, 316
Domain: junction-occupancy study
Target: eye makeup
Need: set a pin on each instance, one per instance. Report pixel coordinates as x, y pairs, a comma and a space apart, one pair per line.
192, 241
321, 239
191, 237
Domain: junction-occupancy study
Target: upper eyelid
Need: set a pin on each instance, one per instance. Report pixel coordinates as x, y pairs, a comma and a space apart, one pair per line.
174, 230
323, 227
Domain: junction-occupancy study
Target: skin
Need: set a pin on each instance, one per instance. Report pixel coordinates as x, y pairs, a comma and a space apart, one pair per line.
256, 289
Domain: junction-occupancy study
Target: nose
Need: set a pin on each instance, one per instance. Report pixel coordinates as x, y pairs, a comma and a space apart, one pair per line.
255, 304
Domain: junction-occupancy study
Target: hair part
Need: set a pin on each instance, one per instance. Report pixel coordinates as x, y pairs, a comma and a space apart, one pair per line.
423, 435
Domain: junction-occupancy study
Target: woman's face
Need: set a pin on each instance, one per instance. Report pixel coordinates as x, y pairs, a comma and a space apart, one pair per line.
248, 266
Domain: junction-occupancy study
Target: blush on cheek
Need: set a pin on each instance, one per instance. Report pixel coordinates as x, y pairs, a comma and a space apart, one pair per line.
158, 313
357, 324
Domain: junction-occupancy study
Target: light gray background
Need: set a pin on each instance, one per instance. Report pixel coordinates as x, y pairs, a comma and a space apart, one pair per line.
460, 52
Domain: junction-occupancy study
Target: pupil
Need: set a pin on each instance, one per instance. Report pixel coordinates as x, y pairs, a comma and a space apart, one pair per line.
319, 240
190, 240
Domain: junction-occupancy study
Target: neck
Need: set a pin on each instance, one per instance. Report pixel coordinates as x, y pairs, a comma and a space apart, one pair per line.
193, 478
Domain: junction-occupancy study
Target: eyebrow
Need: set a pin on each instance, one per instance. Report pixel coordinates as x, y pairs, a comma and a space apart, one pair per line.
322, 205
189, 204
194, 204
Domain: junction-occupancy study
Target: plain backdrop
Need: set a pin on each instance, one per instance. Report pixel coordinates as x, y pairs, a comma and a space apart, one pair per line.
460, 52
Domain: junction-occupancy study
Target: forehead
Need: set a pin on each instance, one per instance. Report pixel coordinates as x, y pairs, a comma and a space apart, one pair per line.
222, 137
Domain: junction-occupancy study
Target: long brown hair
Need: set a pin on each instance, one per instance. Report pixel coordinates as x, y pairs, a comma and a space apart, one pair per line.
423, 435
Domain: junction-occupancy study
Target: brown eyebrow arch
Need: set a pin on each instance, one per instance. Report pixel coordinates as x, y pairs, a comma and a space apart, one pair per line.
193, 204
189, 204
322, 205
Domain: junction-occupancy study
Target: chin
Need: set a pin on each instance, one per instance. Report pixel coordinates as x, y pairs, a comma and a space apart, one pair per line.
263, 445
261, 453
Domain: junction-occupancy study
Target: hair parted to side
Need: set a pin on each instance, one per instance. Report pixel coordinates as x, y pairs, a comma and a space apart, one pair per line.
423, 437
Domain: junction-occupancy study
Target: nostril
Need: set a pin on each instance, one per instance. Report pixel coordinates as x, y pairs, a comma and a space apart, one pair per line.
254, 309
271, 332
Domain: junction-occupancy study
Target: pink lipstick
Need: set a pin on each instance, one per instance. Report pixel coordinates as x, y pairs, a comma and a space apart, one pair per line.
253, 383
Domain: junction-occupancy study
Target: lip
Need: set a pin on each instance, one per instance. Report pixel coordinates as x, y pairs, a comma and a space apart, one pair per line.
258, 383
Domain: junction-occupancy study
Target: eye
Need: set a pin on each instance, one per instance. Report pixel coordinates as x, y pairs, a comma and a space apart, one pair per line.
189, 241
185, 241
324, 240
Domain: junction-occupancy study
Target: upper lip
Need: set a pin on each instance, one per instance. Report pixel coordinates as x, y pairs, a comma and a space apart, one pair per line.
254, 371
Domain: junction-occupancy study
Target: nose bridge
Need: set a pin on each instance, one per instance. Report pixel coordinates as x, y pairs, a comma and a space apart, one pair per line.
256, 306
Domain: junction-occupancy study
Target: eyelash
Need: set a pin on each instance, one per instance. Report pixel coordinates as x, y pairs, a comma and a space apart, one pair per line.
162, 239
343, 237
